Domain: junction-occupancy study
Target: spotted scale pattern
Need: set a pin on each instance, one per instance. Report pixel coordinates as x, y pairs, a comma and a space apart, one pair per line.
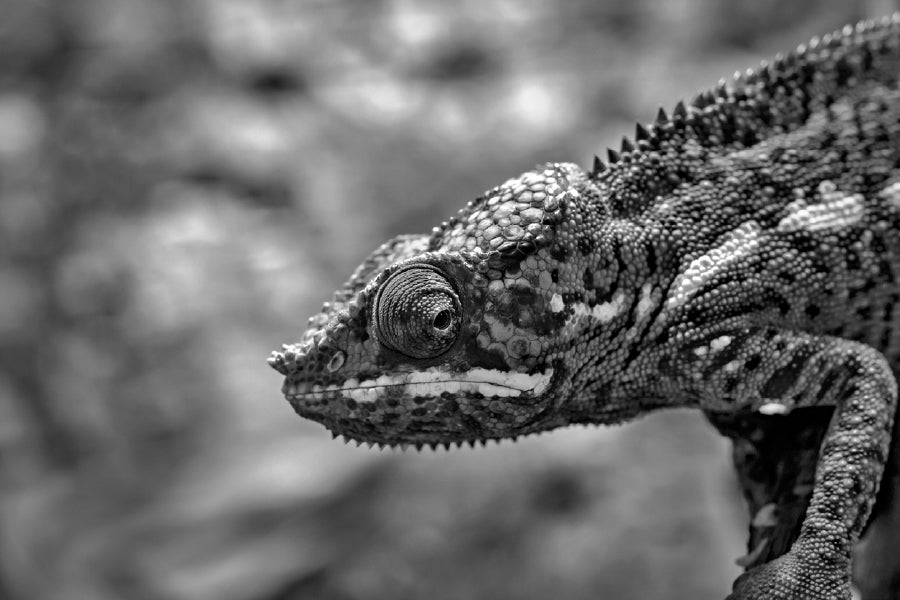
739, 256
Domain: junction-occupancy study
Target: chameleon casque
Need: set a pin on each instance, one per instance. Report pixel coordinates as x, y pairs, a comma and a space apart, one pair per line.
740, 255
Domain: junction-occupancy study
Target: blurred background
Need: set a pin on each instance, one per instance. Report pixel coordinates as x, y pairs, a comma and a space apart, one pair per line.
183, 183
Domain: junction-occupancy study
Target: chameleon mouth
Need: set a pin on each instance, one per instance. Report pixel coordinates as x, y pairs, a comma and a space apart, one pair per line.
426, 408
490, 383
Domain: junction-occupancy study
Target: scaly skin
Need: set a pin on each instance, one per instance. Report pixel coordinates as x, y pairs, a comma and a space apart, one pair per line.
740, 257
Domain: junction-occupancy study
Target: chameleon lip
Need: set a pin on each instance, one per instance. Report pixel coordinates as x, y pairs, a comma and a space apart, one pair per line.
428, 382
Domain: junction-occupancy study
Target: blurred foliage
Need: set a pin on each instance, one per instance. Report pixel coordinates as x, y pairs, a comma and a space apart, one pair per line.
181, 183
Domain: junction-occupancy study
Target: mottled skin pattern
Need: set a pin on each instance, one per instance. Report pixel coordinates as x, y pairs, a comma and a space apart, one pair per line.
740, 256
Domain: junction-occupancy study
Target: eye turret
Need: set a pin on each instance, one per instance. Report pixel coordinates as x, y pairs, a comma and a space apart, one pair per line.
418, 312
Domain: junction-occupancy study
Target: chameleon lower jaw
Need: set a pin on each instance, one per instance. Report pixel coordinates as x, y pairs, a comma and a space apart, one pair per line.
396, 417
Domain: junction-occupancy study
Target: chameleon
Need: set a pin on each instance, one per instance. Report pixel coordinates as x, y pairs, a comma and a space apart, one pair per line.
739, 255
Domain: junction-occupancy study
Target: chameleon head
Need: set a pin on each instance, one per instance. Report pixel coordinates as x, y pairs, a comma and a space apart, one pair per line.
445, 338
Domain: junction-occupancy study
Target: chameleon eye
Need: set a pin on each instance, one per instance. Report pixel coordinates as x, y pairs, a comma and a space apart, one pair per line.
418, 312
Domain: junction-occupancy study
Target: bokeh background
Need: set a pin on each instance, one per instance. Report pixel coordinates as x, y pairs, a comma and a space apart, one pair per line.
182, 183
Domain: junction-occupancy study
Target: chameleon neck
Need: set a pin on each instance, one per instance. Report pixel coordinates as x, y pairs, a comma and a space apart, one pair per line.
614, 307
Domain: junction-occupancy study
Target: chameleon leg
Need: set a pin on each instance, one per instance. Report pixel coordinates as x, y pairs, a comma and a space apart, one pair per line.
804, 370
876, 571
775, 458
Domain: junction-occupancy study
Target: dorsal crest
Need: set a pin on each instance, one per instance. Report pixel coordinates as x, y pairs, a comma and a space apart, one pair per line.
777, 96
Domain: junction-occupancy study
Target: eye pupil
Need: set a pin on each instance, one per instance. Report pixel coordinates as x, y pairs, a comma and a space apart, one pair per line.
442, 320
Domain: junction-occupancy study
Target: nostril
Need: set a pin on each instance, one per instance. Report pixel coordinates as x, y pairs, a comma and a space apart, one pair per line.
336, 362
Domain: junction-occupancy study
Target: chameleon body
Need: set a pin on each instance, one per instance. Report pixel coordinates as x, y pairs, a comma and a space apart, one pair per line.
740, 255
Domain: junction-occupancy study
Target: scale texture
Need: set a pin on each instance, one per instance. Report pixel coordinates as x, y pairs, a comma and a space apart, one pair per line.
739, 255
